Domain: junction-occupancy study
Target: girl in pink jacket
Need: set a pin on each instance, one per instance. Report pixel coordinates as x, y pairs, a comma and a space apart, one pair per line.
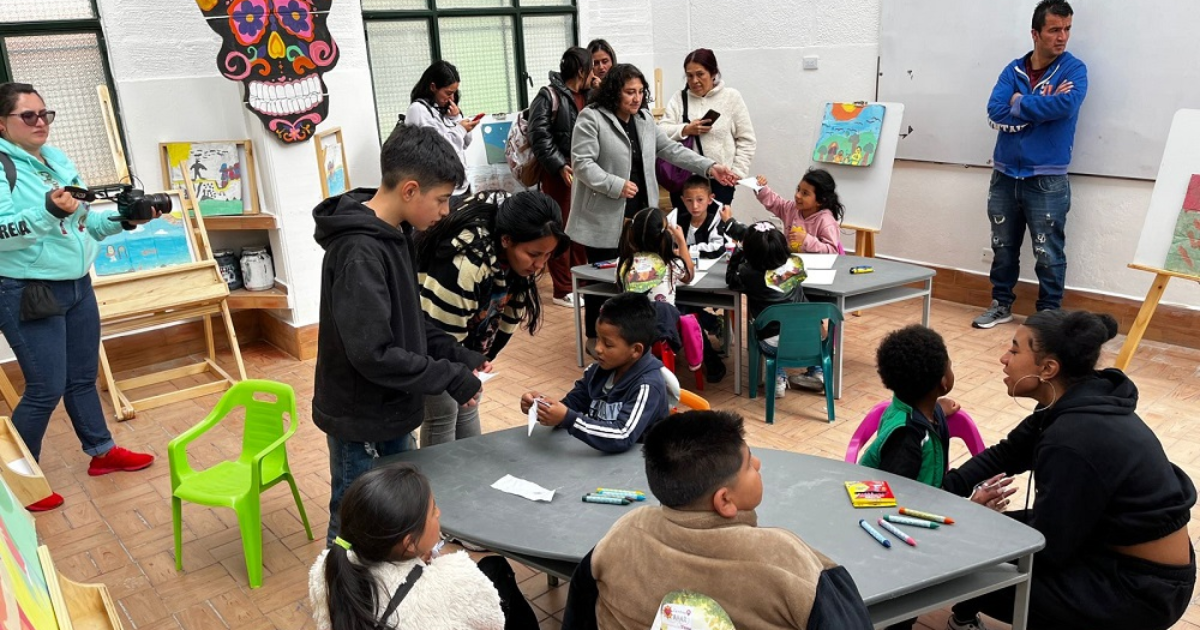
811, 217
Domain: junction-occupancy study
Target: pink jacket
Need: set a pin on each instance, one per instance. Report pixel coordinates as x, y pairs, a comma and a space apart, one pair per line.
823, 236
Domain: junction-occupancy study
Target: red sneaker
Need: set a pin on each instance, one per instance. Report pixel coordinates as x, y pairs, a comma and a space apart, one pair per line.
49, 503
119, 459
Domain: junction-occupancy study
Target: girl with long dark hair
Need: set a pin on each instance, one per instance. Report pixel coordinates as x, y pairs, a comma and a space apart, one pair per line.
434, 103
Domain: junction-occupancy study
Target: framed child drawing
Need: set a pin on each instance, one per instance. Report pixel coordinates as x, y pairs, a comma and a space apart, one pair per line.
331, 159
163, 242
222, 173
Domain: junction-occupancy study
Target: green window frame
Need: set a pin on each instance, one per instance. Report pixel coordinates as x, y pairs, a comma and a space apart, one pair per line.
430, 28
70, 53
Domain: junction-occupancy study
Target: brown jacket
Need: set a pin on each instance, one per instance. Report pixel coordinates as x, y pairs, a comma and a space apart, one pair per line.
765, 578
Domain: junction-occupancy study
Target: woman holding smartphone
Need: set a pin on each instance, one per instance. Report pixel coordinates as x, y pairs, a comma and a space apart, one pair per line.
435, 104
717, 118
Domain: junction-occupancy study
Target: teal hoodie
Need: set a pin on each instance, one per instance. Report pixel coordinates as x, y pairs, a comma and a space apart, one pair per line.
34, 243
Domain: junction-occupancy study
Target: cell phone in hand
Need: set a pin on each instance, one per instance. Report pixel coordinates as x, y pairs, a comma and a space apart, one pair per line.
711, 116
478, 117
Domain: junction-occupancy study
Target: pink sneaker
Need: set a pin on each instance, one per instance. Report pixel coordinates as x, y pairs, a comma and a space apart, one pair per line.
49, 503
119, 459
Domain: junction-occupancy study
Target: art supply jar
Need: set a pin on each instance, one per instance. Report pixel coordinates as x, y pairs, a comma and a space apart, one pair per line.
231, 271
258, 272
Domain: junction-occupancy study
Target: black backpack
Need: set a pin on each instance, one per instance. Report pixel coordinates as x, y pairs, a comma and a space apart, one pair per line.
10, 170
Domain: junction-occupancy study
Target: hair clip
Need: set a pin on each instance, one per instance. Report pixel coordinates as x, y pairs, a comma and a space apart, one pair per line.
341, 542
763, 226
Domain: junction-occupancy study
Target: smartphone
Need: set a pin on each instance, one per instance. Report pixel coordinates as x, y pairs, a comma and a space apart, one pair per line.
477, 117
711, 116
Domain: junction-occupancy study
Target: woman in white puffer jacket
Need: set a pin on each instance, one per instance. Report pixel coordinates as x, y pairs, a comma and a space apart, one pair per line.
728, 140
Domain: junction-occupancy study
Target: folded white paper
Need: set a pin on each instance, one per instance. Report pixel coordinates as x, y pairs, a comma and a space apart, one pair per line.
819, 277
533, 416
707, 263
487, 376
818, 261
522, 488
697, 278
750, 182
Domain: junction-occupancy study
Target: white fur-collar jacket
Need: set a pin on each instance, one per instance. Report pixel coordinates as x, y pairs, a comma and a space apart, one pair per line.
451, 594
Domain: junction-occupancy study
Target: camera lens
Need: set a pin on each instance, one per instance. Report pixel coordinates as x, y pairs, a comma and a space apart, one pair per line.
159, 201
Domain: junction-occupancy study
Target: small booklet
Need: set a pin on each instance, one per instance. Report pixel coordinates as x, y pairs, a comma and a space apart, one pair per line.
870, 494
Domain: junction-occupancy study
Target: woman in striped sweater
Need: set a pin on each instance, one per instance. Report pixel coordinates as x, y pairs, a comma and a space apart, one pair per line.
478, 272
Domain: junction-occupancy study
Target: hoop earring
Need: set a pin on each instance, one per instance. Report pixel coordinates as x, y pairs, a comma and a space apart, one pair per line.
1034, 408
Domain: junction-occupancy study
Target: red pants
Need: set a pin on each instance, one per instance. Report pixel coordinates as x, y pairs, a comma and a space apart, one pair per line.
560, 266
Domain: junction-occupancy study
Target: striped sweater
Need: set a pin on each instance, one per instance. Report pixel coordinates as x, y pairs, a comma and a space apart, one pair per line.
465, 290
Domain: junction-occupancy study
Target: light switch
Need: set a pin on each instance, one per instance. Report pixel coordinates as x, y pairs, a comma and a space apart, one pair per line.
810, 62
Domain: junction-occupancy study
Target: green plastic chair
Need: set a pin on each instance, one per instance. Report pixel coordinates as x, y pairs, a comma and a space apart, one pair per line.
800, 345
238, 484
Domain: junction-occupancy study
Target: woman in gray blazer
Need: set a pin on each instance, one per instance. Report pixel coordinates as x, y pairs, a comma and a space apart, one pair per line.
613, 148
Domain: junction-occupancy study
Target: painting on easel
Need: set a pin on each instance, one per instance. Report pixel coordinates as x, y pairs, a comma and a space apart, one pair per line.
162, 242
849, 134
1184, 253
24, 594
222, 172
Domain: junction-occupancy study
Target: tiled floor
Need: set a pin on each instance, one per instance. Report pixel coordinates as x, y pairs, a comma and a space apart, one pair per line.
117, 529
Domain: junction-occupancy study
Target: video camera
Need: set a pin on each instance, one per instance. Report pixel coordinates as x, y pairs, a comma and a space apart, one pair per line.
133, 204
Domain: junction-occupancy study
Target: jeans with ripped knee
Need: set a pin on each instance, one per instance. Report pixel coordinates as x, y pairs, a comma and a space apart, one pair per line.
1040, 204
347, 462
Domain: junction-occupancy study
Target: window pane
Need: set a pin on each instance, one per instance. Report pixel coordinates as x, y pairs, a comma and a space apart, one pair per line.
399, 54
545, 3
394, 5
69, 87
483, 50
472, 4
546, 38
34, 10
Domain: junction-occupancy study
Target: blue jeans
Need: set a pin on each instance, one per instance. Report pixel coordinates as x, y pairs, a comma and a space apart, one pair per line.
58, 356
1041, 203
347, 462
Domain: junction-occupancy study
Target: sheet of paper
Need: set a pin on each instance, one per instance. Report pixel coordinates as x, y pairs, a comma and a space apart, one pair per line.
818, 277
21, 466
751, 183
699, 276
818, 261
707, 263
487, 376
522, 488
533, 416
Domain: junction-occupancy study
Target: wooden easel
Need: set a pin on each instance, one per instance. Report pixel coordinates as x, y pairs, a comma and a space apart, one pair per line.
141, 300
1149, 305
78, 605
864, 240
18, 469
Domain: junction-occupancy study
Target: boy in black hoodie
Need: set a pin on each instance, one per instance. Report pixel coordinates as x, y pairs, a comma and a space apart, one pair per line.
377, 353
623, 393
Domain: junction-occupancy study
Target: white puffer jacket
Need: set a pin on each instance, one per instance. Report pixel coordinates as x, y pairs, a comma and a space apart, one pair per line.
731, 141
451, 594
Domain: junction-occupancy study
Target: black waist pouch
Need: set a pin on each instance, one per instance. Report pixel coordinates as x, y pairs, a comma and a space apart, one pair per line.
37, 302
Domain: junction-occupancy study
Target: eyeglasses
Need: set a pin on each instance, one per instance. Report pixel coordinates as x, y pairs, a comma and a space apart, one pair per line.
31, 118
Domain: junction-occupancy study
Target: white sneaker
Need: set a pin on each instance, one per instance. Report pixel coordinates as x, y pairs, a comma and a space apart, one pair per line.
781, 385
976, 624
567, 300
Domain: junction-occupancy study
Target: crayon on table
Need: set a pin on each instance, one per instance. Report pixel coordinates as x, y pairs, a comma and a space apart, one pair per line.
861, 269
862, 522
927, 516
596, 498
914, 522
633, 495
899, 534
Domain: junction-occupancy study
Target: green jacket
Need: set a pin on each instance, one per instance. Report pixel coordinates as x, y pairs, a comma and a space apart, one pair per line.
37, 240
933, 452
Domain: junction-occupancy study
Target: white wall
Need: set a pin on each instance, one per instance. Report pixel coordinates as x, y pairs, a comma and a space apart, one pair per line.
936, 213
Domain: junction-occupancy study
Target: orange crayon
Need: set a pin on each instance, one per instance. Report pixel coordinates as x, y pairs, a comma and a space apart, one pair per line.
927, 516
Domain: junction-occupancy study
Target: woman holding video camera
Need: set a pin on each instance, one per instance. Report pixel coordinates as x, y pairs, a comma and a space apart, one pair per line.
435, 104
716, 117
48, 311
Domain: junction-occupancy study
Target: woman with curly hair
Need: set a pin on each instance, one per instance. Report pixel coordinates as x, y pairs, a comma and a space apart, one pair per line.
613, 149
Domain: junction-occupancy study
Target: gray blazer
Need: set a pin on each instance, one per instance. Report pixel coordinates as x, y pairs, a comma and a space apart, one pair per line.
600, 156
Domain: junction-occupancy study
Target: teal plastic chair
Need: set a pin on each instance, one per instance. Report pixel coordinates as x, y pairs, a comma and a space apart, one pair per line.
270, 410
800, 345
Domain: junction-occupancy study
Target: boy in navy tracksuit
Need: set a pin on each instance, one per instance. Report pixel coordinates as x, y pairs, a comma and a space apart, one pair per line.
620, 395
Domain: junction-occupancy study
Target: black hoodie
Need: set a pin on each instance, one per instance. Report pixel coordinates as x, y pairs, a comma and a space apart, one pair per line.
378, 355
1101, 476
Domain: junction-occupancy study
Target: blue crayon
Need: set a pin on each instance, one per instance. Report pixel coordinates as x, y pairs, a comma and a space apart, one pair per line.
596, 498
862, 522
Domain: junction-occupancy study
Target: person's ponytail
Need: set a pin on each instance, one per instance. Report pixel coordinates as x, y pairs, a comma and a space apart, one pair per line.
349, 592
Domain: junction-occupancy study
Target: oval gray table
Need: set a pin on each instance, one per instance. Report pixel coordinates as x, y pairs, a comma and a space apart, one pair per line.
802, 493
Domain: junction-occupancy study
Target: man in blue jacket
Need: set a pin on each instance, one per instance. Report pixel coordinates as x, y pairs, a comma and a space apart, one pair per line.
1034, 108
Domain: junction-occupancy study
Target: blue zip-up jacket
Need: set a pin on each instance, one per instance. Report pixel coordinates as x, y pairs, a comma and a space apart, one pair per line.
37, 240
1036, 132
613, 421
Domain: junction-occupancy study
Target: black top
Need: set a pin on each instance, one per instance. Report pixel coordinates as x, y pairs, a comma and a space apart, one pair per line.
550, 127
901, 453
1101, 475
637, 171
740, 276
378, 355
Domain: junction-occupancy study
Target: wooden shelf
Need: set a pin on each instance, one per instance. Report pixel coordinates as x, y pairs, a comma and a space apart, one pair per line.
241, 222
276, 297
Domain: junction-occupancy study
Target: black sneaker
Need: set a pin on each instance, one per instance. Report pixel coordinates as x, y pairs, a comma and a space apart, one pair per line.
997, 314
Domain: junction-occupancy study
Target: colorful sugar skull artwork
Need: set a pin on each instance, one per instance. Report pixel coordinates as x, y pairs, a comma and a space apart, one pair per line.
279, 50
